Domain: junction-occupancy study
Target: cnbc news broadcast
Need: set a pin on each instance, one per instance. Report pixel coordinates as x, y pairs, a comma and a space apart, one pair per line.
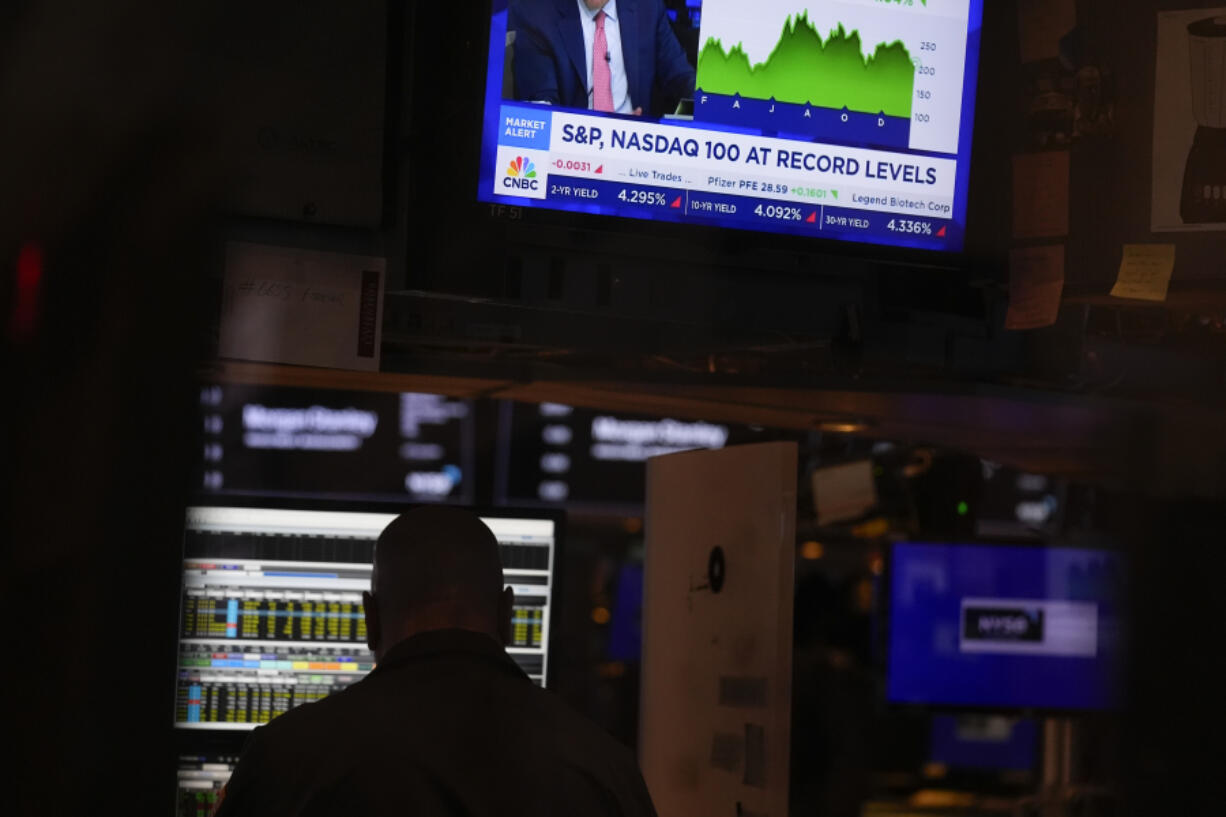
846, 120
633, 408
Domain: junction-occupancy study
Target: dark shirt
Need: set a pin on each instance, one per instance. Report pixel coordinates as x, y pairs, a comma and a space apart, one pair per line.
446, 724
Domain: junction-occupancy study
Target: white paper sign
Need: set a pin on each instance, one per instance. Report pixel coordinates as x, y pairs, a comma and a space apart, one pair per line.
843, 492
1189, 93
716, 701
309, 308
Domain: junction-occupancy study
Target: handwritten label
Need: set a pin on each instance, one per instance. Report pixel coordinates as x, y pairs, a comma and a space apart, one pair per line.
1145, 272
842, 492
1036, 282
1040, 194
285, 305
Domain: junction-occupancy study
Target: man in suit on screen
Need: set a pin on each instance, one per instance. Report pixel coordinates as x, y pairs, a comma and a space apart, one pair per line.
617, 56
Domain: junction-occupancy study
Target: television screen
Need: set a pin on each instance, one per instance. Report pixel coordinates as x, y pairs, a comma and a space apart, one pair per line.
626, 622
1015, 504
1006, 627
984, 742
553, 455
837, 119
284, 441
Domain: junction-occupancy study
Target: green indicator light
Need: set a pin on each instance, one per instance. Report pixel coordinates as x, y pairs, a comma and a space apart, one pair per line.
963, 508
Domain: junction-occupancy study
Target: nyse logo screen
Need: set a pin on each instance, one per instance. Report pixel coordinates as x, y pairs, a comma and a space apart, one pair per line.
1002, 624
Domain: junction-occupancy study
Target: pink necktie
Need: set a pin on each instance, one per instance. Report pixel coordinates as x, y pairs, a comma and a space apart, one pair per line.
602, 75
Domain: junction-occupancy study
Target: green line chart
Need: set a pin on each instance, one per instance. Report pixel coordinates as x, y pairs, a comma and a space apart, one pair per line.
806, 68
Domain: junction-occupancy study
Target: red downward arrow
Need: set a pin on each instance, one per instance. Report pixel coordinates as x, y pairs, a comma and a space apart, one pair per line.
941, 232
676, 203
812, 217
600, 169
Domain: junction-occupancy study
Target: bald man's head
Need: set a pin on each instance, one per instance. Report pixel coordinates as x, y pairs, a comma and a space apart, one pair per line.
435, 568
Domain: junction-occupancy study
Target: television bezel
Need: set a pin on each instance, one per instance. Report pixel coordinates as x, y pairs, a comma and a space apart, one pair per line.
430, 213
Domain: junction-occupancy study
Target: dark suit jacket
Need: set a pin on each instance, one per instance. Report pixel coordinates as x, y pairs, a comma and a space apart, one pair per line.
446, 724
550, 61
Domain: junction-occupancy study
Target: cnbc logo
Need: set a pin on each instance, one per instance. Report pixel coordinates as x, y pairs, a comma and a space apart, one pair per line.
521, 174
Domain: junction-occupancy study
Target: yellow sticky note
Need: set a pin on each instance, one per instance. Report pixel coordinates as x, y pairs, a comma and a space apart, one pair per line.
1145, 272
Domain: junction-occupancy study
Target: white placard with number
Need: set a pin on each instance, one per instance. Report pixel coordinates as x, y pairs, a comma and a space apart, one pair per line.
310, 308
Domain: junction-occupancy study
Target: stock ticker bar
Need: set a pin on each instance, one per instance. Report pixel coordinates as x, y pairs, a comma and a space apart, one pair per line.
783, 214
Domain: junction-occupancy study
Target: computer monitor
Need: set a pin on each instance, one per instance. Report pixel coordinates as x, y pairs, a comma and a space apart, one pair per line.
201, 778
338, 444
555, 455
984, 743
1006, 627
271, 604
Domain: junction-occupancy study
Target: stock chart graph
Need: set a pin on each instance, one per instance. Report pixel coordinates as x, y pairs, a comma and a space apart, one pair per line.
888, 72
806, 69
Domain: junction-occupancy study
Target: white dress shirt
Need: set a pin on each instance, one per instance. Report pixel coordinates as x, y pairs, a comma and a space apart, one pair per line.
617, 64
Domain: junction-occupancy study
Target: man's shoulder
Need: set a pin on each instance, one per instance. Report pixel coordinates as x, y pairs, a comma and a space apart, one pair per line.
539, 10
448, 713
430, 697
644, 8
554, 730
577, 735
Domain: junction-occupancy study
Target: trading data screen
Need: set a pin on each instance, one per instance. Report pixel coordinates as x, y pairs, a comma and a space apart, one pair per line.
201, 779
271, 609
1005, 626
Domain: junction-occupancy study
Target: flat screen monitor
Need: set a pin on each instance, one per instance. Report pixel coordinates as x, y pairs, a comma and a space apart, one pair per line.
1018, 505
271, 607
837, 119
1005, 627
201, 778
984, 743
282, 441
625, 641
555, 455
